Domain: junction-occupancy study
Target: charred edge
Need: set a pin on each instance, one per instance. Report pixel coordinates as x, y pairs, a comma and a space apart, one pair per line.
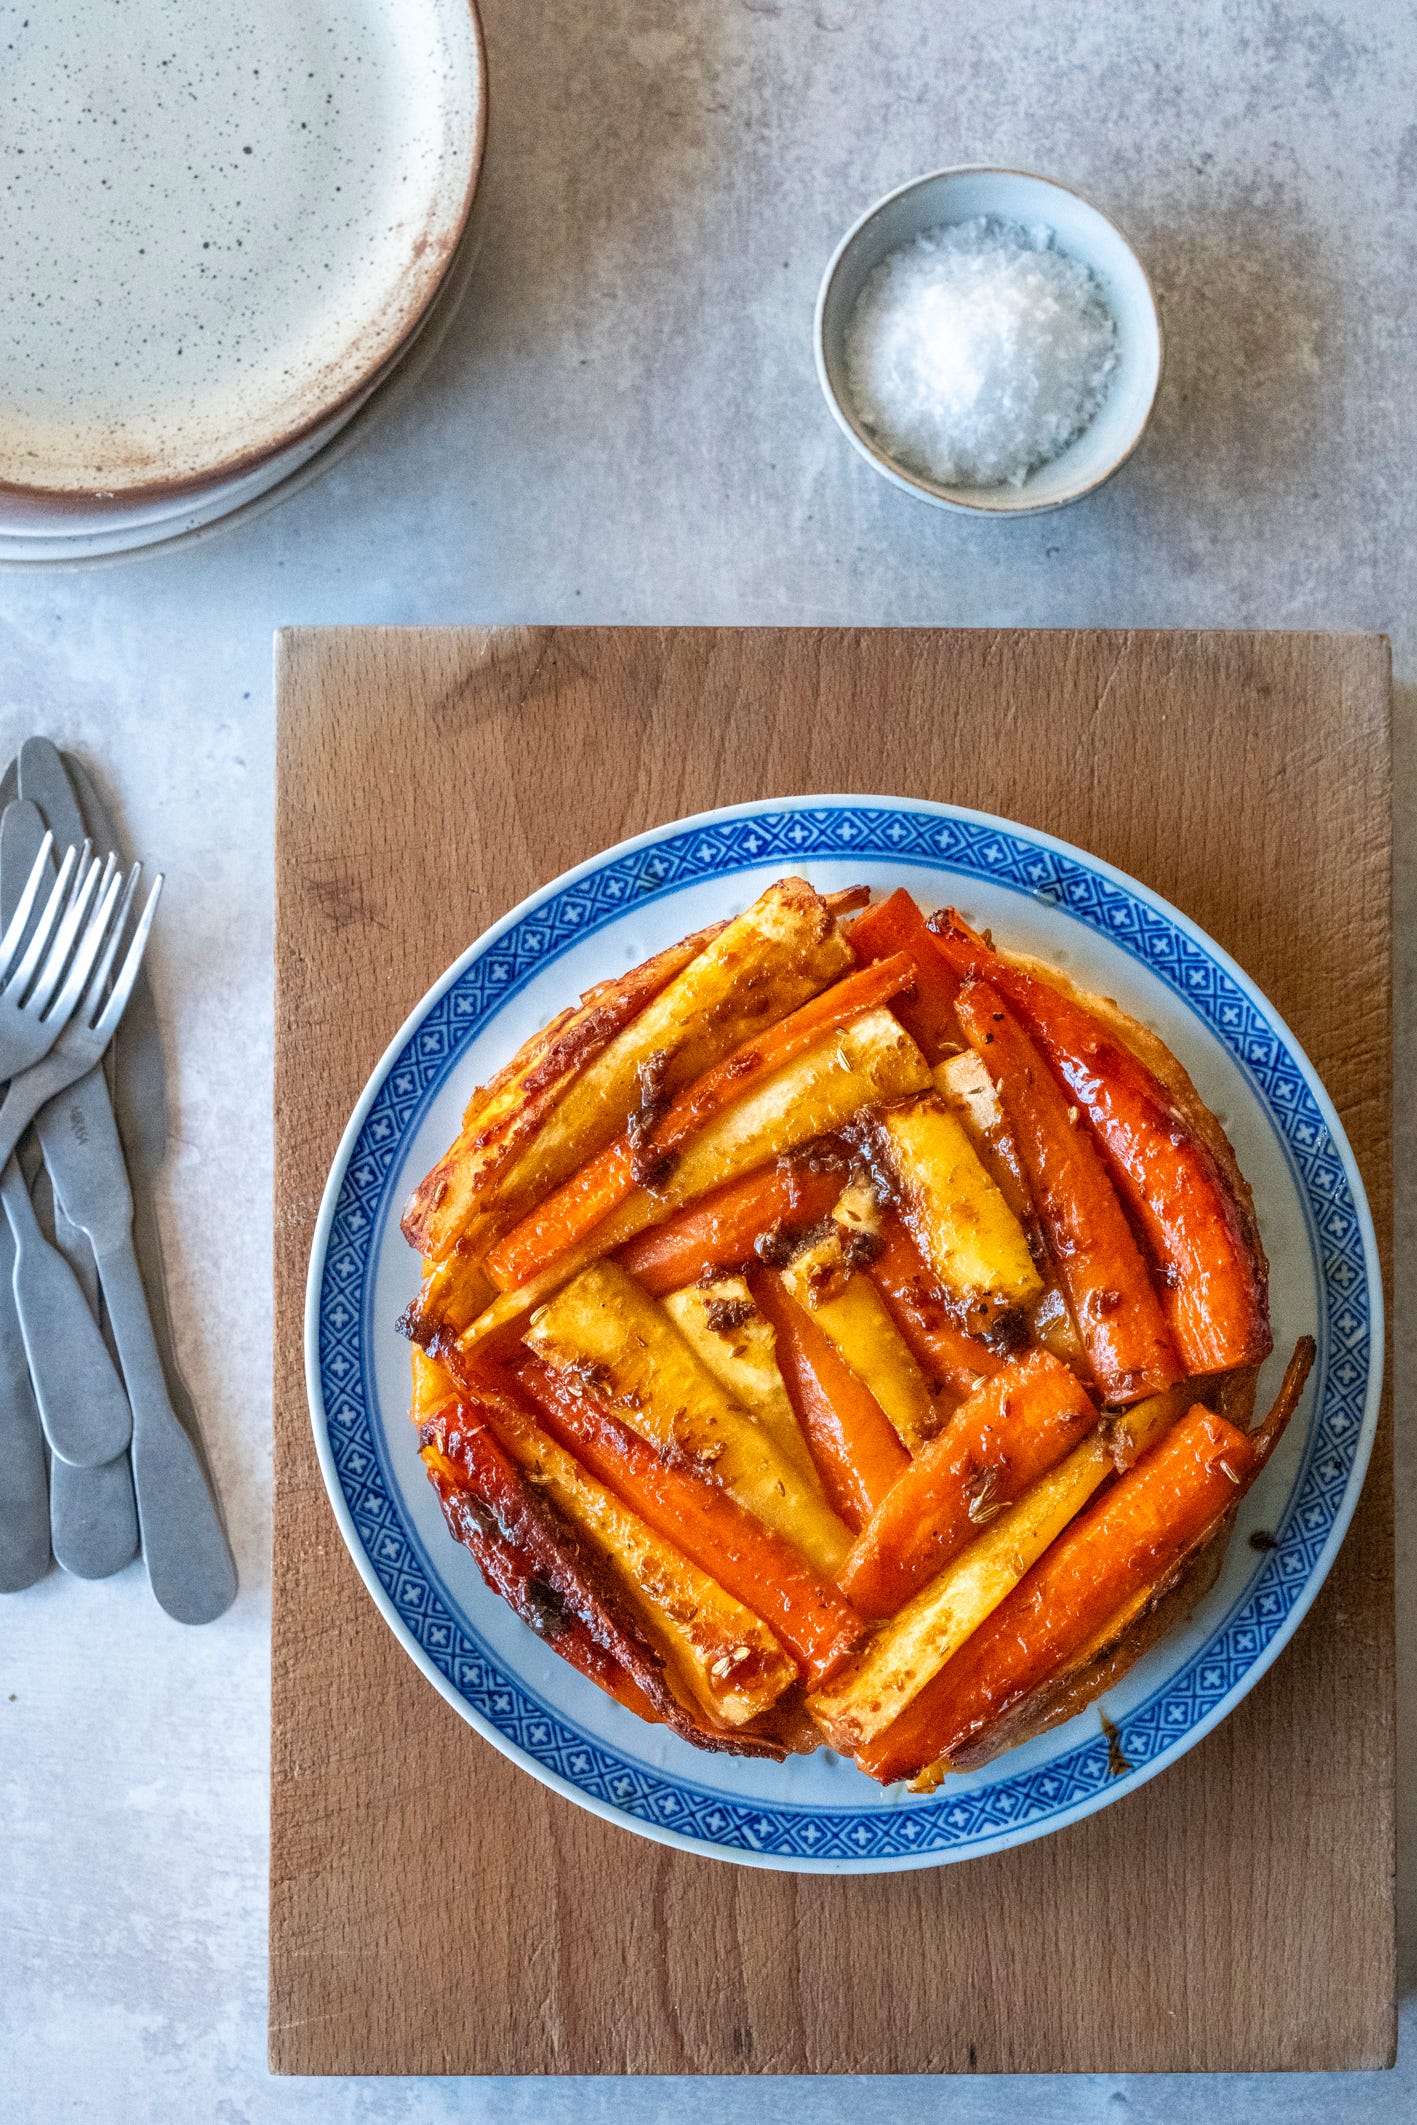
651, 1165
565, 1564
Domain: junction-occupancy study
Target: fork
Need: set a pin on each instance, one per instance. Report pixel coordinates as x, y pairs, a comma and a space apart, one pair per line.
38, 997
95, 1012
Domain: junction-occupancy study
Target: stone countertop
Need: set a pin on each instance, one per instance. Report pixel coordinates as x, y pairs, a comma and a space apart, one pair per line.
624, 424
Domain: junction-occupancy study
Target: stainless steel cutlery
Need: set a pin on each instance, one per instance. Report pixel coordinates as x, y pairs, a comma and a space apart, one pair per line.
24, 1506
137, 1072
56, 1360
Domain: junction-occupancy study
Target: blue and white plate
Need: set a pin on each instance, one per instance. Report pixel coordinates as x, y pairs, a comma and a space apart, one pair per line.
818, 1814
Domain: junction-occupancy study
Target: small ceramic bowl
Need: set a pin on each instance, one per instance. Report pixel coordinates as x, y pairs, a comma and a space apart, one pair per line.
960, 195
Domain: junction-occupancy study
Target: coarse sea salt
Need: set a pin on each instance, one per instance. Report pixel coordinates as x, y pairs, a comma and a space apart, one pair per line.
979, 351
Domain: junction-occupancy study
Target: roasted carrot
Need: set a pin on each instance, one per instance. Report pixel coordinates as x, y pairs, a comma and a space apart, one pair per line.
899, 1271
1132, 1534
852, 1440
1012, 1429
648, 1145
1118, 1314
719, 1230
912, 1646
760, 1568
897, 926
1214, 1294
509, 1572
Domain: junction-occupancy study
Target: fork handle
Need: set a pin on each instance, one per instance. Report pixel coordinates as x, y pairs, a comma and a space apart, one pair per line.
81, 1402
189, 1560
25, 1096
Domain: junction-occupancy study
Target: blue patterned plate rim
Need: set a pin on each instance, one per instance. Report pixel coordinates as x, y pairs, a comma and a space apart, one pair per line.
1013, 1809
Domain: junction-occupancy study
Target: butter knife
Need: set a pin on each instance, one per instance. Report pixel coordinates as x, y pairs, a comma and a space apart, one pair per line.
189, 1560
93, 1518
24, 1500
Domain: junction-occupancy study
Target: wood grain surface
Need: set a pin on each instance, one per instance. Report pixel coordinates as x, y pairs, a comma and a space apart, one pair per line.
433, 1909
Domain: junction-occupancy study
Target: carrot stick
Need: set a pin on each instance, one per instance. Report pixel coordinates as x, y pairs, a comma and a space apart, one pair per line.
1013, 1428
1133, 1533
1118, 1314
719, 1230
509, 1572
902, 1276
599, 1186
851, 1439
895, 926
760, 1568
1214, 1297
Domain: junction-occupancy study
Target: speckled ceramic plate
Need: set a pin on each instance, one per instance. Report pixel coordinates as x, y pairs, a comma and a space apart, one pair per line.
818, 1813
220, 228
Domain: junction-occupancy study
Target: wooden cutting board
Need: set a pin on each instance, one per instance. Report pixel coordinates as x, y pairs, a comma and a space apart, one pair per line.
433, 1909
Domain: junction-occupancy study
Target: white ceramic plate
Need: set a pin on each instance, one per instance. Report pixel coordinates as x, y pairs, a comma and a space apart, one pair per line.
220, 228
209, 511
818, 1813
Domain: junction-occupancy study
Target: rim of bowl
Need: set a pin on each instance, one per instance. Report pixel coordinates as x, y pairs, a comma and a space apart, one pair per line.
62, 501
919, 484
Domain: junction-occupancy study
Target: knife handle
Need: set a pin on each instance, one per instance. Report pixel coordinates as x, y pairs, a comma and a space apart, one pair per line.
189, 1560
93, 1516
81, 1402
93, 1520
24, 1504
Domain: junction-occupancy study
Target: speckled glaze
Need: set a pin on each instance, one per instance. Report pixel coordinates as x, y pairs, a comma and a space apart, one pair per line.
217, 227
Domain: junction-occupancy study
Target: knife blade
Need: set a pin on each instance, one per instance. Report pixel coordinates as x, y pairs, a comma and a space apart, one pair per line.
62, 787
81, 1401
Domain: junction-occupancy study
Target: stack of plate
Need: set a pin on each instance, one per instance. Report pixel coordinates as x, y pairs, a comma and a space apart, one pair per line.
222, 233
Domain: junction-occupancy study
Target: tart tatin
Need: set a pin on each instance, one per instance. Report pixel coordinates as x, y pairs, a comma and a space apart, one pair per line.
839, 1329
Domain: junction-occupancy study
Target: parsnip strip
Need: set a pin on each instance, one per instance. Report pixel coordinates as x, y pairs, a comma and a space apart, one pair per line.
603, 1327
966, 1230
502, 1116
851, 1313
728, 1333
767, 962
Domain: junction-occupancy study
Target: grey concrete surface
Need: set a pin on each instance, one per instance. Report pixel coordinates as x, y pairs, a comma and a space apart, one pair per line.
624, 425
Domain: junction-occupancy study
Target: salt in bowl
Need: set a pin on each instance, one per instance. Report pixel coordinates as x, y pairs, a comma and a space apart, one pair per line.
965, 194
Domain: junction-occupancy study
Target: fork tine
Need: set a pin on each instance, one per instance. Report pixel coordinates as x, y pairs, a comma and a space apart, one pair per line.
57, 957
74, 859
20, 921
102, 925
128, 973
98, 981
